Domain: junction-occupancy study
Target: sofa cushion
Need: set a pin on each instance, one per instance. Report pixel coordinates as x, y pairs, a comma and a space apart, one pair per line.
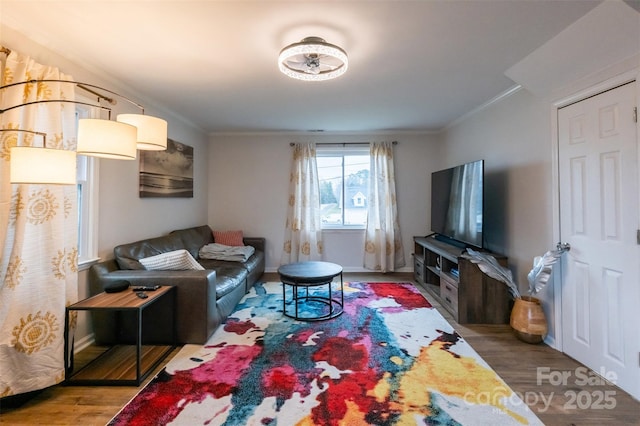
254, 261
228, 277
194, 238
177, 260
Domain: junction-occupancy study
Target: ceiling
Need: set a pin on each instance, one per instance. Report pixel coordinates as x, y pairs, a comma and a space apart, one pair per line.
413, 65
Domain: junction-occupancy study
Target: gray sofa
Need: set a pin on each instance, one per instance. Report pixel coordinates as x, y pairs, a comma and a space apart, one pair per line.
203, 298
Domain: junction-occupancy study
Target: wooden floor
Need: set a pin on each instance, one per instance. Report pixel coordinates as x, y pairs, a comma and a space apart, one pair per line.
516, 362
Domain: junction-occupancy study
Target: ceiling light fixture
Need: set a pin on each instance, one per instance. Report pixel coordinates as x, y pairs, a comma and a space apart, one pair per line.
313, 59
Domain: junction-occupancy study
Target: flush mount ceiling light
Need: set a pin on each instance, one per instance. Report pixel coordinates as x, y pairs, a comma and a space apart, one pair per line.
313, 59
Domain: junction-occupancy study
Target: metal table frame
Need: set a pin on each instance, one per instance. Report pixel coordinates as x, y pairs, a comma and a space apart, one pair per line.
118, 302
312, 274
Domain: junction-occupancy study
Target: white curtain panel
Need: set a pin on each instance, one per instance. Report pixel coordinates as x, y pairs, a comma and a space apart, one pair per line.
303, 233
38, 234
383, 242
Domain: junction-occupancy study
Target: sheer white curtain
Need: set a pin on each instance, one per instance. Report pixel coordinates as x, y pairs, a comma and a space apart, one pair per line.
38, 235
303, 233
383, 242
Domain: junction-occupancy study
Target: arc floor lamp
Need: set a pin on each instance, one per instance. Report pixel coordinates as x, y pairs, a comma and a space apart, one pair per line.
119, 139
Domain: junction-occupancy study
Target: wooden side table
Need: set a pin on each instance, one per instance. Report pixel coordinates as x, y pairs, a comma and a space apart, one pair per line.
121, 364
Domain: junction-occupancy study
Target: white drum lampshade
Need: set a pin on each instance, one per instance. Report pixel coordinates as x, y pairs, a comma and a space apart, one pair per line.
107, 139
152, 131
42, 166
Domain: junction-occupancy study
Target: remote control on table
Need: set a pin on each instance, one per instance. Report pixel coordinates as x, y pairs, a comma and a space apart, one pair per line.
145, 288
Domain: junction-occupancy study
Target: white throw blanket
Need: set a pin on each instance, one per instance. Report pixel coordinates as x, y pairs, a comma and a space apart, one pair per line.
222, 252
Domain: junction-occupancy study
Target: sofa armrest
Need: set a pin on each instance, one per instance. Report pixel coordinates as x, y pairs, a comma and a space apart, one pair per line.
144, 277
257, 242
196, 313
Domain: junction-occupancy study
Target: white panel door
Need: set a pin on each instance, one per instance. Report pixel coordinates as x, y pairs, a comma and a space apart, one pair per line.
599, 218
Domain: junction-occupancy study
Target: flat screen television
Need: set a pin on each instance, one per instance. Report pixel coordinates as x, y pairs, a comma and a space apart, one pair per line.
457, 203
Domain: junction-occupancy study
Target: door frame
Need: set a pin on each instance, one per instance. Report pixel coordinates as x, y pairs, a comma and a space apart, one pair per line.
561, 101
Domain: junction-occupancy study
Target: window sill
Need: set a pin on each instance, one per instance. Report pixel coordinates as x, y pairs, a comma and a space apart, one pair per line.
342, 230
83, 265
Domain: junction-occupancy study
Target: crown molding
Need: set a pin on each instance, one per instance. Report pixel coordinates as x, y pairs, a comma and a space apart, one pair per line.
502, 96
314, 133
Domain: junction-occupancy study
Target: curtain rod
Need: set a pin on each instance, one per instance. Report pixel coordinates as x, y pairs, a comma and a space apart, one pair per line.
344, 143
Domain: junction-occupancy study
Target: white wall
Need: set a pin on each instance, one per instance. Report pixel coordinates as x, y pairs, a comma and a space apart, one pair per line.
514, 138
249, 183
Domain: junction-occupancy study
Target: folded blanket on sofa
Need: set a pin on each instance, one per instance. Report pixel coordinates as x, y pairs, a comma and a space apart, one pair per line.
222, 252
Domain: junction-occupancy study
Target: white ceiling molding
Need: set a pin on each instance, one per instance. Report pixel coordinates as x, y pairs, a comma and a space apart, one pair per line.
329, 133
608, 34
495, 100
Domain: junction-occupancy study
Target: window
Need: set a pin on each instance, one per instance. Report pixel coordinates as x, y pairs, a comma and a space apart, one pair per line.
87, 171
344, 186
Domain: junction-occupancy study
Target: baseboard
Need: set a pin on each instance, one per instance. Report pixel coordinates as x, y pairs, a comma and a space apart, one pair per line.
551, 342
83, 343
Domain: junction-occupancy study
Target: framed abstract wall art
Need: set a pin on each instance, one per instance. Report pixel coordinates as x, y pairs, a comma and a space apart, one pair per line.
167, 173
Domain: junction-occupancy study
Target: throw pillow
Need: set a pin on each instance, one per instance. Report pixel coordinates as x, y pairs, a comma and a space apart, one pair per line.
178, 260
228, 238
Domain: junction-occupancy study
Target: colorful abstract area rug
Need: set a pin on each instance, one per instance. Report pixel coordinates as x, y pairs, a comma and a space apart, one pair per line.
389, 359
